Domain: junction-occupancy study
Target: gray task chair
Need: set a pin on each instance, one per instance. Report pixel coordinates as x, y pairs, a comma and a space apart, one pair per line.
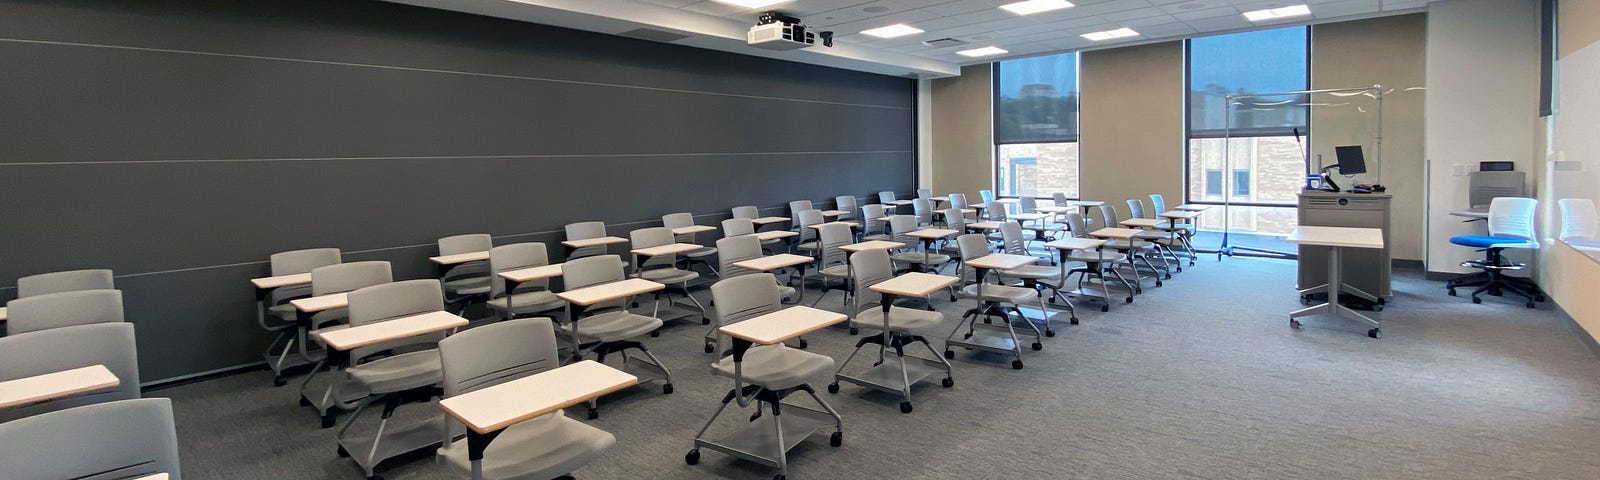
1096, 264
113, 440
734, 227
281, 313
929, 261
899, 328
65, 309
585, 231
735, 250
1137, 248
530, 297
550, 446
59, 349
746, 212
795, 207
832, 262
742, 307
871, 227
663, 269
341, 278
848, 205
1163, 238
681, 220
766, 374
607, 327
806, 243
466, 282
395, 372
68, 281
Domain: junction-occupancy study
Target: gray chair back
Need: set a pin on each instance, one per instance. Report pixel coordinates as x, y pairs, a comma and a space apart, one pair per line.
390, 301
1077, 225
594, 270
1108, 215
1578, 219
653, 237
868, 268
885, 196
1011, 239
347, 277
1136, 208
731, 250
847, 204
747, 211
497, 353
958, 200
1027, 205
804, 220
797, 206
1158, 204
986, 195
923, 209
870, 223
832, 237
57, 349
584, 231
737, 226
296, 262
109, 441
972, 245
744, 297
1059, 198
513, 257
995, 211
925, 193
954, 220
68, 281
65, 309
679, 220
899, 226
468, 243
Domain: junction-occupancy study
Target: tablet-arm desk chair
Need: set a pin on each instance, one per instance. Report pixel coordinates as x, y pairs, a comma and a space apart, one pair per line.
528, 298
734, 227
902, 225
897, 327
663, 269
607, 327
68, 281
681, 220
1096, 264
340, 278
738, 248
923, 209
795, 207
738, 308
394, 372
832, 262
276, 301
585, 231
886, 197
1510, 226
804, 220
65, 309
550, 446
465, 283
1162, 238
122, 439
871, 227
992, 299
1037, 277
1137, 249
1579, 222
58, 349
848, 205
987, 196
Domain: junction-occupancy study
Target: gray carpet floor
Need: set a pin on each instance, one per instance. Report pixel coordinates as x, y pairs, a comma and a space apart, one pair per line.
1201, 378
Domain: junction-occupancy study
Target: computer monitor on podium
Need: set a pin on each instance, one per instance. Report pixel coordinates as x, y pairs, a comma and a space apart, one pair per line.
1351, 161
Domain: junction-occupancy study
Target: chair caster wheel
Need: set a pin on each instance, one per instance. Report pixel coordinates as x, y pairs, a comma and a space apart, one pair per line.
1159, 284
1049, 333
947, 382
1127, 300
833, 388
1038, 346
779, 477
704, 320
1107, 308
594, 414
1375, 333
1452, 292
343, 453
1052, 301
655, 333
375, 477
1073, 321
1377, 307
836, 439
1168, 277
855, 331
666, 389
279, 381
949, 355
952, 298
1530, 304
1294, 324
965, 336
328, 419
1477, 300
1016, 364
905, 407
803, 344
711, 348
304, 402
692, 458
633, 305
1137, 291
1539, 298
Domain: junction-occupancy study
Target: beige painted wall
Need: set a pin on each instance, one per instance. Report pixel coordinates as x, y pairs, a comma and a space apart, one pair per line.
1568, 275
1578, 22
1388, 51
963, 139
1131, 143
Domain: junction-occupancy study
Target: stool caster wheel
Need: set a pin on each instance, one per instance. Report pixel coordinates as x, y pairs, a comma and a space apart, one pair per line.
1375, 333
343, 453
594, 414
833, 388
1294, 324
803, 344
692, 458
855, 331
279, 381
949, 355
836, 439
947, 382
1049, 333
1038, 346
1530, 304
905, 407
1451, 291
1073, 321
1105, 308
711, 348
304, 402
1016, 364
666, 389
1477, 300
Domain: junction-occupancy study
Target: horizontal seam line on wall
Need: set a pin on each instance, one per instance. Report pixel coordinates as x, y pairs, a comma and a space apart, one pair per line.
401, 247
434, 70
448, 157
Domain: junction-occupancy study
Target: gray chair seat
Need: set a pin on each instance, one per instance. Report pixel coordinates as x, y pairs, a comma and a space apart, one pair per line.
1002, 293
1048, 227
836, 271
536, 301
668, 275
467, 286
786, 292
284, 311
1091, 257
812, 245
916, 257
1151, 235
900, 319
542, 448
1035, 272
776, 367
1125, 245
612, 326
400, 372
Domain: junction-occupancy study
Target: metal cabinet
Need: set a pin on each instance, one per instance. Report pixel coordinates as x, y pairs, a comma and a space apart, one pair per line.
1366, 269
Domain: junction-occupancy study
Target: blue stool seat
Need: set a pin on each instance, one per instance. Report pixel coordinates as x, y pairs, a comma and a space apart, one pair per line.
1485, 241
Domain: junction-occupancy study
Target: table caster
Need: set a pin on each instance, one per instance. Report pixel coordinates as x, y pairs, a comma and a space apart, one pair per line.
279, 381
666, 389
836, 439
693, 457
949, 355
1294, 324
1049, 332
803, 344
1375, 333
905, 407
1475, 299
1451, 291
854, 331
1159, 284
1073, 321
833, 388
1530, 304
1038, 346
594, 414
1107, 308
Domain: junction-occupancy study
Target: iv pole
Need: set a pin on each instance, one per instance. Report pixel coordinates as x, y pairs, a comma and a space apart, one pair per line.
1375, 91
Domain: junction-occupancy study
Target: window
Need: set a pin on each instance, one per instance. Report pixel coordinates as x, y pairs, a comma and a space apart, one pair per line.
1036, 126
1254, 135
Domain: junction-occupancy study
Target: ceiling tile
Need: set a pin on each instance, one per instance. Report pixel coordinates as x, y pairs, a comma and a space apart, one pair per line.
1219, 23
674, 3
1206, 13
959, 7
1136, 13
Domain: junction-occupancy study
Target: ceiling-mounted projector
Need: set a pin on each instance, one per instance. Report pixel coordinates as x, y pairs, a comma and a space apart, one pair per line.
776, 31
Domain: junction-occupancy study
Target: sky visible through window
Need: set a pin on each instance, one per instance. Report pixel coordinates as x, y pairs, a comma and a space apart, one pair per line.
1257, 62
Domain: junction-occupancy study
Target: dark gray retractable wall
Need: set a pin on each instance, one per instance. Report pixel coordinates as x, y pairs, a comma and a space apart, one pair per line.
181, 142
